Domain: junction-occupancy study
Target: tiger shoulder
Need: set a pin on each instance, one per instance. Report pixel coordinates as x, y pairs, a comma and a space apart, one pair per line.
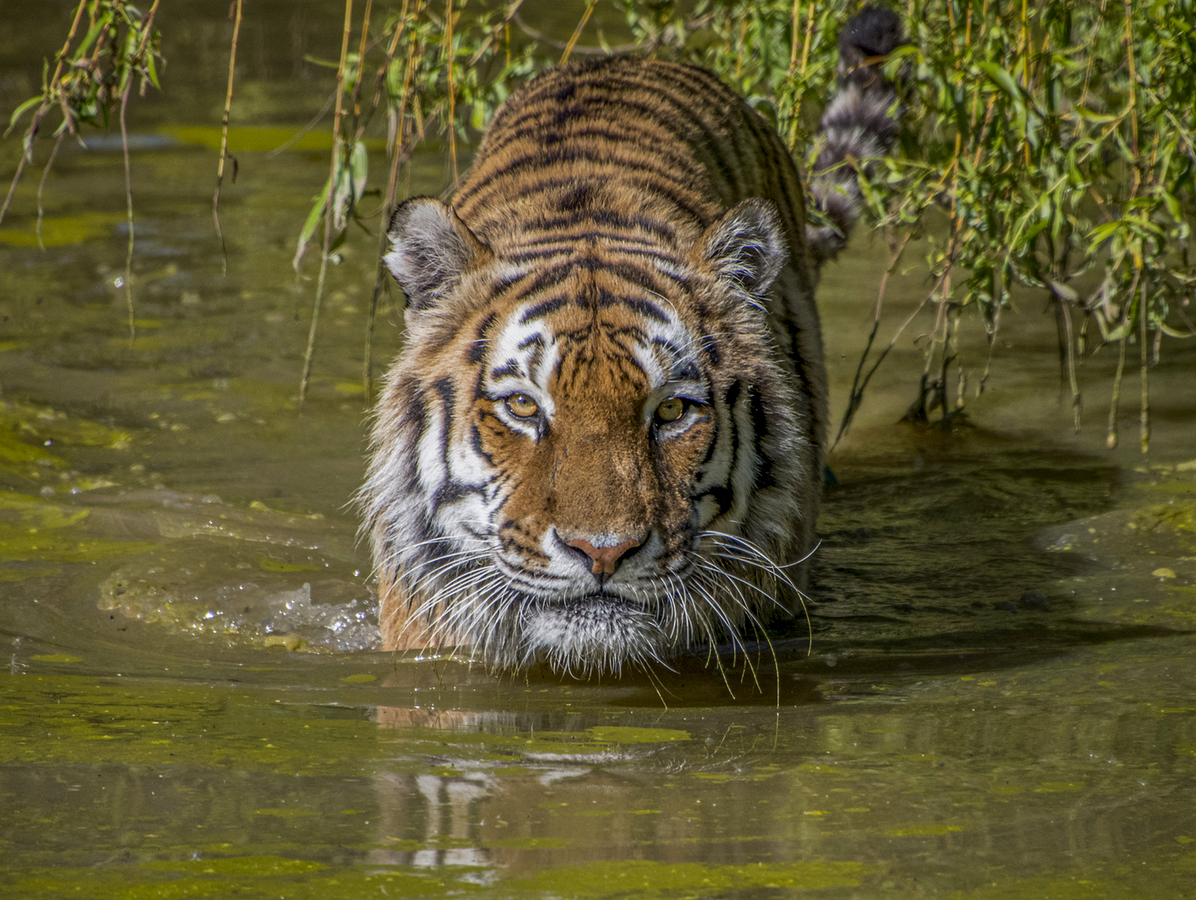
602, 444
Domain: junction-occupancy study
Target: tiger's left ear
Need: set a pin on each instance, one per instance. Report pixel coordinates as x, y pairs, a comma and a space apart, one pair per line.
430, 250
745, 246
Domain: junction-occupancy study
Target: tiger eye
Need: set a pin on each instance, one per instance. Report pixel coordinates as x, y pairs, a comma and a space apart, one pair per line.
522, 406
671, 410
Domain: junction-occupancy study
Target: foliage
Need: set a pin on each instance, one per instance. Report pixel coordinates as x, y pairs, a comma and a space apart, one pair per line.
1045, 139
1048, 143
91, 80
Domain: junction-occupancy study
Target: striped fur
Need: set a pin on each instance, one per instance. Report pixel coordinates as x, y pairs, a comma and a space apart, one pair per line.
603, 440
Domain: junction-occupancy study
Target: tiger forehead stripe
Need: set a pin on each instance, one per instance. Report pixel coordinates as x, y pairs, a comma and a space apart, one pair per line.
666, 350
523, 349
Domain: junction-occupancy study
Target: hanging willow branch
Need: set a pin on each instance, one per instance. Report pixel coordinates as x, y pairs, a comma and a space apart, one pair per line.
1048, 144
92, 80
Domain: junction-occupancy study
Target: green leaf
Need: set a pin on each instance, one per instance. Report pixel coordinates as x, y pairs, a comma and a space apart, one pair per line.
350, 184
309, 227
1063, 291
1173, 332
1103, 232
152, 68
100, 24
1002, 79
1099, 118
1120, 333
21, 110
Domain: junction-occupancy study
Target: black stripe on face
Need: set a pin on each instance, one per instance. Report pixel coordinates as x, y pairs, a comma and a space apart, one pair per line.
710, 348
724, 498
639, 305
509, 368
710, 451
658, 255
553, 225
764, 477
504, 284
671, 349
724, 494
525, 256
537, 341
734, 389
583, 229
475, 440
452, 491
448, 395
674, 197
545, 307
643, 278
626, 271
415, 419
477, 347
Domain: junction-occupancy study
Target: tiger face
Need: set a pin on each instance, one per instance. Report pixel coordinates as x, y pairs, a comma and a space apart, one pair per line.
587, 453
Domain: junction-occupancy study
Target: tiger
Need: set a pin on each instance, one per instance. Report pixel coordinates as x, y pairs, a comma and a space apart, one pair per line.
602, 444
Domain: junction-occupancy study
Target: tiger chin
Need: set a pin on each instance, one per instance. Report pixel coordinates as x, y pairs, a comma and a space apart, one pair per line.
602, 444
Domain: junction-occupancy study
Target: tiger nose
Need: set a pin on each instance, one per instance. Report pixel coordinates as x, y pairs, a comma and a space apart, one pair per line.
605, 559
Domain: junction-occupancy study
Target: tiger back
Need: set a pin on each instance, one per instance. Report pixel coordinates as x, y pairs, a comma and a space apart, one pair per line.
603, 440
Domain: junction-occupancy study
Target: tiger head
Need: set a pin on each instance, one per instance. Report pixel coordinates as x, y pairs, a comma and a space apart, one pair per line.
589, 452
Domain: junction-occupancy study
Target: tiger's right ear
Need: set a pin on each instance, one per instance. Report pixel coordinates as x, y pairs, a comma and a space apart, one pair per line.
430, 250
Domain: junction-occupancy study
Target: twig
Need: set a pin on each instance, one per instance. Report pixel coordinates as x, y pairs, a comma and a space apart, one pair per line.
309, 355
858, 384
124, 143
580, 49
147, 26
452, 98
399, 153
228, 103
1067, 356
585, 18
512, 9
305, 130
365, 39
41, 186
1144, 412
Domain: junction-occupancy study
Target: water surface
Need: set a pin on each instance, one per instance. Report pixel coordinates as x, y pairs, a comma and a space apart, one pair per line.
994, 697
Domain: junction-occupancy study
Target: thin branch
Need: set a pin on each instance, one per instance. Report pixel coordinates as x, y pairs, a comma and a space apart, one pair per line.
401, 152
452, 98
858, 383
573, 39
41, 186
228, 103
541, 38
337, 141
147, 26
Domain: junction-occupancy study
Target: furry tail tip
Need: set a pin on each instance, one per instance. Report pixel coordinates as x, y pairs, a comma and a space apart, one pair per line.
860, 125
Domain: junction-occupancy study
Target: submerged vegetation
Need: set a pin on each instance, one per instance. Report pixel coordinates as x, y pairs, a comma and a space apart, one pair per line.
1048, 144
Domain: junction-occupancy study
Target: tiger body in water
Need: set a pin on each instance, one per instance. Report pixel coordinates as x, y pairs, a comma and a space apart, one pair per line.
603, 441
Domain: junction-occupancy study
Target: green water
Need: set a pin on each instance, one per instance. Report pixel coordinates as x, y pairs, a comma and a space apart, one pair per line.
998, 699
